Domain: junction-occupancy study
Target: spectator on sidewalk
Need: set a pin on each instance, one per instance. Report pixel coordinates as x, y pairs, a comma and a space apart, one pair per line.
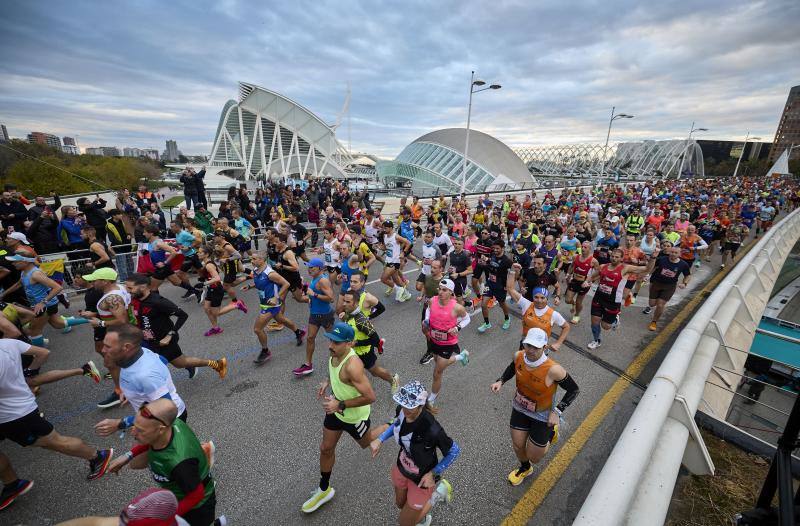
118, 236
189, 180
201, 187
69, 228
43, 232
12, 212
144, 197
40, 204
95, 213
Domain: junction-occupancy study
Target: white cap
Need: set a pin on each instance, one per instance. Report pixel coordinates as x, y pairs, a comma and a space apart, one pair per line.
19, 236
536, 337
615, 219
448, 284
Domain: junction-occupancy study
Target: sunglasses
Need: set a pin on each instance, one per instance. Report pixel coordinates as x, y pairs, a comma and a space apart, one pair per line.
145, 412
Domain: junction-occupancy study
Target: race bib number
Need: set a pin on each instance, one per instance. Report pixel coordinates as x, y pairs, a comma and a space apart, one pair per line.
605, 289
524, 402
438, 335
407, 463
328, 257
389, 252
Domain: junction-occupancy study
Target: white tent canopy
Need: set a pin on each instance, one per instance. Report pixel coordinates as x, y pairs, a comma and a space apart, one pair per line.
781, 166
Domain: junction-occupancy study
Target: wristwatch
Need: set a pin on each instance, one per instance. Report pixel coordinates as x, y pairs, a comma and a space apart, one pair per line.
342, 406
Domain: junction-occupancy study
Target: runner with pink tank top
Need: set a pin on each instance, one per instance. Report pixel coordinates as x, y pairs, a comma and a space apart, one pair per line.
444, 317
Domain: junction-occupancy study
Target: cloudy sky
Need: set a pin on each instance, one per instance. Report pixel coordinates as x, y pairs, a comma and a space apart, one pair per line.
137, 73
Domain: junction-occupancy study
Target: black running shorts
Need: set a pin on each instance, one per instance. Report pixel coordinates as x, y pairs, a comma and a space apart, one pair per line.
357, 431
26, 430
539, 433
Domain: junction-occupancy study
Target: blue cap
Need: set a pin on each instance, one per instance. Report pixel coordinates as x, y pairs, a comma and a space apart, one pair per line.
341, 332
316, 262
541, 290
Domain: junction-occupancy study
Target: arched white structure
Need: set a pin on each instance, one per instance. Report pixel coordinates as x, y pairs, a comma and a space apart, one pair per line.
268, 135
436, 160
634, 160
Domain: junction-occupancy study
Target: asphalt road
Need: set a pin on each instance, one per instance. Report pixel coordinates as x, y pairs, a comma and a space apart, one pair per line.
267, 424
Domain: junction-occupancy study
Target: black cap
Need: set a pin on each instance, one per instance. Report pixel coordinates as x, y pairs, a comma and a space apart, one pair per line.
388, 223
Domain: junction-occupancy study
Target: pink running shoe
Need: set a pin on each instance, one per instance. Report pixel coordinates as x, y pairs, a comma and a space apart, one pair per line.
213, 331
303, 370
242, 306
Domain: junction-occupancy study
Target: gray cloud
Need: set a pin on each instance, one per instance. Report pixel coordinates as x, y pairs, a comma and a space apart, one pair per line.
136, 74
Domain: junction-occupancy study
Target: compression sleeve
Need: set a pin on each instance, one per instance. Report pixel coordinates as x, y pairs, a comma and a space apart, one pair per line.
463, 322
138, 449
387, 434
448, 459
571, 388
508, 374
191, 500
377, 310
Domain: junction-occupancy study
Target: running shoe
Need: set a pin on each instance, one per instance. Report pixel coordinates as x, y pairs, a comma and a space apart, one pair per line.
108, 376
210, 451
555, 434
299, 337
594, 344
652, 326
490, 303
9, 495
213, 331
575, 320
318, 498
405, 296
476, 302
426, 358
647, 310
242, 306
388, 291
221, 366
273, 326
67, 327
442, 493
111, 401
189, 293
99, 464
628, 301
633, 300
506, 324
379, 348
263, 356
426, 521
303, 370
463, 357
615, 325
722, 267
198, 293
517, 476
220, 521
192, 372
90, 370
484, 327
697, 263
395, 383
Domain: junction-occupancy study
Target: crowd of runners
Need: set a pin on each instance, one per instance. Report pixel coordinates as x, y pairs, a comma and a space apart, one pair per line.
470, 264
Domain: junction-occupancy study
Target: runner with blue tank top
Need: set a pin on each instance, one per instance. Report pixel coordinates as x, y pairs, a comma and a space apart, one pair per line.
271, 288
350, 266
320, 300
41, 292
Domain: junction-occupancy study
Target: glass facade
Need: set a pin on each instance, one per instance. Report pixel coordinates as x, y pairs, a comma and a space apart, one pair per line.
431, 165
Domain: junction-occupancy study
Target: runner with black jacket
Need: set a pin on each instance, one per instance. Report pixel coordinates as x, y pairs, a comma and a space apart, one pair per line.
154, 315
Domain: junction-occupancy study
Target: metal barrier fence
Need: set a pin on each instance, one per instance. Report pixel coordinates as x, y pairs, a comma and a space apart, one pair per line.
636, 483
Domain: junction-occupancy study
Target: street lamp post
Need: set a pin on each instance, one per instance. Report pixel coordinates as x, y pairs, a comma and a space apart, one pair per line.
608, 135
683, 157
473, 83
744, 147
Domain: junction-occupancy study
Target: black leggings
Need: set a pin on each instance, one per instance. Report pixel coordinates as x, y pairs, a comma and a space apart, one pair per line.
204, 515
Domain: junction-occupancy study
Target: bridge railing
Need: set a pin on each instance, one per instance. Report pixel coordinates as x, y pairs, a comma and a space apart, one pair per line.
636, 483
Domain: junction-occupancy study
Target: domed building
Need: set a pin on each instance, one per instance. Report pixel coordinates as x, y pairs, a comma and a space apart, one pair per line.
436, 161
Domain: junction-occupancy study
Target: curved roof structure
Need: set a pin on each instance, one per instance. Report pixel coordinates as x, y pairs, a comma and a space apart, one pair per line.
267, 134
436, 160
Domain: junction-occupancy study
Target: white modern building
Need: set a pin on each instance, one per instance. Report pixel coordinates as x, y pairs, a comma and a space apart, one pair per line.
436, 161
267, 135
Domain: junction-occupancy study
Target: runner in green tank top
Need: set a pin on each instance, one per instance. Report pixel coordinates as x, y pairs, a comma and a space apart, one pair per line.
176, 459
347, 409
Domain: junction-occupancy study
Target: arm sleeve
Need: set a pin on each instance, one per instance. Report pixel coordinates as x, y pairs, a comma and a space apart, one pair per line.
388, 433
377, 310
450, 455
463, 322
508, 374
187, 475
568, 384
138, 449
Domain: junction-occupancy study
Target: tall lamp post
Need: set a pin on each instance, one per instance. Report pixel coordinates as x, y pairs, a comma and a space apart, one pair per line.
744, 147
683, 158
473, 84
608, 135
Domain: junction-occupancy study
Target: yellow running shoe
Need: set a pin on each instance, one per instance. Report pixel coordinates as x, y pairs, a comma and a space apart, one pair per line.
516, 477
317, 499
555, 434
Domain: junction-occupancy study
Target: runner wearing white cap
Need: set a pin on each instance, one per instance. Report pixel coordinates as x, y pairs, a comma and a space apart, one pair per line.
534, 417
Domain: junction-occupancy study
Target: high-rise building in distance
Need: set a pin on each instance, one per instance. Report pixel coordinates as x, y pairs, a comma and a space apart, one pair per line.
4, 133
111, 151
788, 127
44, 138
70, 146
94, 151
172, 150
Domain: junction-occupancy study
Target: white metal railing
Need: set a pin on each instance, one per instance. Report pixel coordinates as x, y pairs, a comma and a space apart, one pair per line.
636, 483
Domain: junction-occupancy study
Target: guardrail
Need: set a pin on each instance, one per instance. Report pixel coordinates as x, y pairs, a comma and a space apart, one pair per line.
636, 483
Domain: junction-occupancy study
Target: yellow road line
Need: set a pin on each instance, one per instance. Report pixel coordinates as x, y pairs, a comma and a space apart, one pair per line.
550, 475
